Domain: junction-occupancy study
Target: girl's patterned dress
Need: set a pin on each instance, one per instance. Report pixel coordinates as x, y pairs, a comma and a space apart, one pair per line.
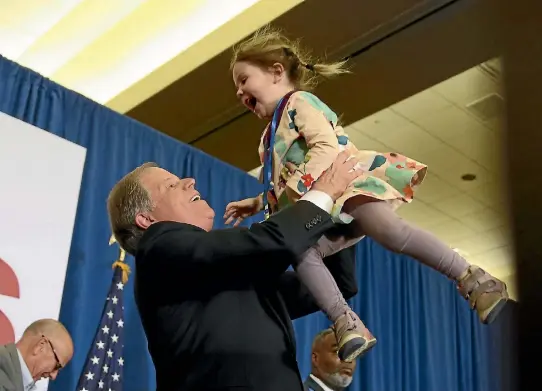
308, 136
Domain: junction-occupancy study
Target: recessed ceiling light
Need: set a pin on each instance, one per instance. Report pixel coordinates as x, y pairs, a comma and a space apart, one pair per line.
468, 177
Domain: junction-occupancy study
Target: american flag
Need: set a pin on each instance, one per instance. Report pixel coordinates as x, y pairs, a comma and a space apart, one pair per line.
104, 366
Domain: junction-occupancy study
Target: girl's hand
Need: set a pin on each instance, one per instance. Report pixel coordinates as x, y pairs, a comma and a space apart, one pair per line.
240, 210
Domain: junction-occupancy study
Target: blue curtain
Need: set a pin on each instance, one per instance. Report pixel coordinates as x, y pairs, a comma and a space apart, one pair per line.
428, 339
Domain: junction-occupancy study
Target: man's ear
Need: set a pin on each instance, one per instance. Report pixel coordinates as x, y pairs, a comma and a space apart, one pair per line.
278, 71
39, 347
143, 220
314, 358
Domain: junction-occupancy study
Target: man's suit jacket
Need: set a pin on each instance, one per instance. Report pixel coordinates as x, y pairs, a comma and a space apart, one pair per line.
11, 378
217, 306
311, 385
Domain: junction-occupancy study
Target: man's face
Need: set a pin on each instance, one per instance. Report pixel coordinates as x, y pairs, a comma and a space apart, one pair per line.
174, 199
328, 367
50, 355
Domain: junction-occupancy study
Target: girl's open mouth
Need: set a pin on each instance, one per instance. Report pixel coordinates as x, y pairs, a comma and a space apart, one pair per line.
251, 103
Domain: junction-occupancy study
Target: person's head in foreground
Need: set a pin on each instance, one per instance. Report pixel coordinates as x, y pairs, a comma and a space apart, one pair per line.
268, 65
326, 364
150, 194
46, 347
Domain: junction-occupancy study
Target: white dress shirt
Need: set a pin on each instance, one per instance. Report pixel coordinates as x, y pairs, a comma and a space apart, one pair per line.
320, 383
320, 199
28, 382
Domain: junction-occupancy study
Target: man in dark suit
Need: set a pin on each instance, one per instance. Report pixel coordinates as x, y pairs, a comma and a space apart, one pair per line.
216, 306
328, 372
43, 350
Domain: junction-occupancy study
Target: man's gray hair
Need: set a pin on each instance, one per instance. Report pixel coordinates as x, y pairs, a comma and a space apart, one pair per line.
128, 198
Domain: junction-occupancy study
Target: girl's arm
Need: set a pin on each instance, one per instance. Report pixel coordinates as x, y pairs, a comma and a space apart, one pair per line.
315, 123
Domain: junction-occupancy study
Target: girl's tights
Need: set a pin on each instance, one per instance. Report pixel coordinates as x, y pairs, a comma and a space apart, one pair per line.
380, 222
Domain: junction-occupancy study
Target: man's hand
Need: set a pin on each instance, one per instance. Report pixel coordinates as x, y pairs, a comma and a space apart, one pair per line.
336, 178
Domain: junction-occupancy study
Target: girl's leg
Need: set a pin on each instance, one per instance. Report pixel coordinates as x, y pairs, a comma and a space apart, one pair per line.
352, 336
379, 221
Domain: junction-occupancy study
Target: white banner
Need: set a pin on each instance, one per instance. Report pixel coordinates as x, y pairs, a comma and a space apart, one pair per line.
40, 178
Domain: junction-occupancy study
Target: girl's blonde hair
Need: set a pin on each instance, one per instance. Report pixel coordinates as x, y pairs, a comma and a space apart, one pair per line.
269, 46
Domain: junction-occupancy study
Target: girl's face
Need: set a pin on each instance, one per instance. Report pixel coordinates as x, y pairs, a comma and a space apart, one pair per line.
260, 89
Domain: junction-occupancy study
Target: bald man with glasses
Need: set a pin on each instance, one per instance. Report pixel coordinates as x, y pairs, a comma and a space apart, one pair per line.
43, 350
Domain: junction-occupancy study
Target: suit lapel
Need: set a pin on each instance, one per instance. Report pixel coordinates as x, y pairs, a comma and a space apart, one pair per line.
311, 385
15, 368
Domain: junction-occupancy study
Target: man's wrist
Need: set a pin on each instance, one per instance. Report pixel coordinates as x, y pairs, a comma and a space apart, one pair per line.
319, 198
325, 189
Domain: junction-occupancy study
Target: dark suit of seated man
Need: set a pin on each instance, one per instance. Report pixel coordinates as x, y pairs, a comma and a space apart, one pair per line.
217, 306
328, 372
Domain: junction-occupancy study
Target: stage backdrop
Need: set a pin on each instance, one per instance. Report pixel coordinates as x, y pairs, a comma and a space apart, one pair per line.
428, 339
38, 202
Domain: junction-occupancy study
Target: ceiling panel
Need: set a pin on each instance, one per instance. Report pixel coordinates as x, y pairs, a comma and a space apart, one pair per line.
368, 143
417, 106
450, 123
424, 214
434, 189
492, 193
466, 87
438, 128
496, 258
411, 140
459, 206
380, 123
450, 165
484, 242
484, 220
481, 146
451, 231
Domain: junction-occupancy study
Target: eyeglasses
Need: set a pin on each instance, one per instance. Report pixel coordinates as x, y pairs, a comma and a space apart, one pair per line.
58, 365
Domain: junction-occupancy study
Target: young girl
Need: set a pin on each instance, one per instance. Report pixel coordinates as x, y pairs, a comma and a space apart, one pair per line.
272, 77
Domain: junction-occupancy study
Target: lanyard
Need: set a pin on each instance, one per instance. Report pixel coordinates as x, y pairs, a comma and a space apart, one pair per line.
268, 155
